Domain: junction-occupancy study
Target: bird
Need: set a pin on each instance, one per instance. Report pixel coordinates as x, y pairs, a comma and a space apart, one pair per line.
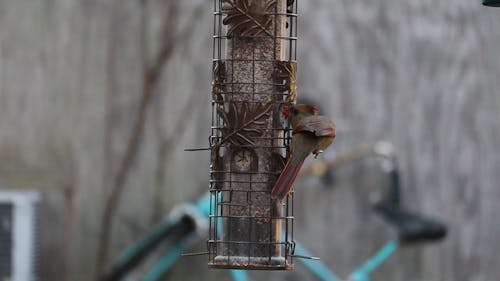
311, 134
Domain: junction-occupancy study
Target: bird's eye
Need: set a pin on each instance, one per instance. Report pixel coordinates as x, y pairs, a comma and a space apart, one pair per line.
295, 112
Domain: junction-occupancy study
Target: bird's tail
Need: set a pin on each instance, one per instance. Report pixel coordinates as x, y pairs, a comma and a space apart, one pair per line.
286, 178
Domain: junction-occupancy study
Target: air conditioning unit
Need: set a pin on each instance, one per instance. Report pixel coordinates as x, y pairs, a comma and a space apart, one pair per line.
18, 233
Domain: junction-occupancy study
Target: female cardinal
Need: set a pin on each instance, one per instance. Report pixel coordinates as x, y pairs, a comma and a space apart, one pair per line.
312, 133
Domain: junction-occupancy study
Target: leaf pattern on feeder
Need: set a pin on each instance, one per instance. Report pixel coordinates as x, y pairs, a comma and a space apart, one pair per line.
285, 76
241, 126
247, 18
219, 78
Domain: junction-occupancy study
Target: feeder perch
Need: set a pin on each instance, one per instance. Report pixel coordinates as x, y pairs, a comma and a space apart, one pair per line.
254, 75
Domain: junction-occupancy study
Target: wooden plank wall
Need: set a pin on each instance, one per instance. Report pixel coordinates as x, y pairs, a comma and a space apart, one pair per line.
423, 75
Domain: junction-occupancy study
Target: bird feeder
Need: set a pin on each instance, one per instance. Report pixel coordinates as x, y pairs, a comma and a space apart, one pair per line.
254, 74
491, 3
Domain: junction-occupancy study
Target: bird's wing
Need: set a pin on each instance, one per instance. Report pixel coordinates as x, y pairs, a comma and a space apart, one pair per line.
320, 126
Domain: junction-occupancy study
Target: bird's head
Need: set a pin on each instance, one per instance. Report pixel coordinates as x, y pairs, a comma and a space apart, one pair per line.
301, 110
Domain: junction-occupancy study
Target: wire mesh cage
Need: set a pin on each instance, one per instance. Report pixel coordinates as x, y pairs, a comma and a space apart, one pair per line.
254, 76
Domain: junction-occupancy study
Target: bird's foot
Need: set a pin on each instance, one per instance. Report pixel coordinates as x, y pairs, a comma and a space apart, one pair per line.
316, 153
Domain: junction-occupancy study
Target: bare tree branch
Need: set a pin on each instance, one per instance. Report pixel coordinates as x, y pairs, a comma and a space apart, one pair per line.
151, 76
165, 146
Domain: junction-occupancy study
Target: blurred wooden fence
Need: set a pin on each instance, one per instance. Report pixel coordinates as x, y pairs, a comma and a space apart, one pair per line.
78, 78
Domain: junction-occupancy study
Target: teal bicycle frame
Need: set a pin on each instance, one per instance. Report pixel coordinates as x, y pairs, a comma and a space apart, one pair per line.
315, 267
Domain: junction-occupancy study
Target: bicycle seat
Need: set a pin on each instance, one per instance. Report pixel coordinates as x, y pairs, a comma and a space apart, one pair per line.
411, 227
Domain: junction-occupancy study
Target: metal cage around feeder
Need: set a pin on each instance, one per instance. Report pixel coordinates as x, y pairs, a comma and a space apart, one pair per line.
254, 75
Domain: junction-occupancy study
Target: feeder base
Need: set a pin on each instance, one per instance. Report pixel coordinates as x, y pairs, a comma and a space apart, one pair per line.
252, 263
